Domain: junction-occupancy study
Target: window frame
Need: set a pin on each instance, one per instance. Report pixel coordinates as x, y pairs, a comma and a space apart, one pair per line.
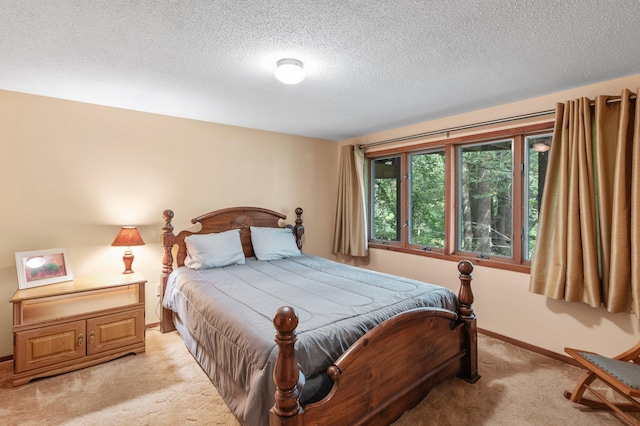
511, 141
409, 222
372, 184
517, 261
525, 193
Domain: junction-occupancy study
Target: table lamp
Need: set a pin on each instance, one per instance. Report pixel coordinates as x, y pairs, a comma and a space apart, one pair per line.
127, 237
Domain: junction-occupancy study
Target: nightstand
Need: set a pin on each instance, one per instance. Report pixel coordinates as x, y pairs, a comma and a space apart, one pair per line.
66, 326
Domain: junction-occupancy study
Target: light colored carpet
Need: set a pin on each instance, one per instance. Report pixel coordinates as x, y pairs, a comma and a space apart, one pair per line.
165, 386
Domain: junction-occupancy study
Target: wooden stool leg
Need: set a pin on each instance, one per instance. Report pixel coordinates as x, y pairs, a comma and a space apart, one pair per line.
578, 392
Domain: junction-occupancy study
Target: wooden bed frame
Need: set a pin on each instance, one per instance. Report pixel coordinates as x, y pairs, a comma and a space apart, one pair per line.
386, 372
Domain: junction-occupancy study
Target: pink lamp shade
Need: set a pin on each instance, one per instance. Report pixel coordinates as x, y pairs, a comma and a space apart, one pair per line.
127, 237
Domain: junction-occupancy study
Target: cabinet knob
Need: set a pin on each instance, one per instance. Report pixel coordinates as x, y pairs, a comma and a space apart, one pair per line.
92, 337
80, 339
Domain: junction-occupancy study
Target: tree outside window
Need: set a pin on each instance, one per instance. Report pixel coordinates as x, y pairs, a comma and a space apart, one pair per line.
537, 158
427, 199
485, 197
462, 196
385, 176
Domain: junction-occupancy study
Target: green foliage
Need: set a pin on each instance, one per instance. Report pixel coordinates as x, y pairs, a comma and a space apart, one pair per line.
536, 171
427, 199
484, 185
486, 196
386, 206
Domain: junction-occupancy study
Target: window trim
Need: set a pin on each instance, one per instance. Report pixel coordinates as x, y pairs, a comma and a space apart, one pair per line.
525, 194
450, 145
371, 201
433, 150
512, 141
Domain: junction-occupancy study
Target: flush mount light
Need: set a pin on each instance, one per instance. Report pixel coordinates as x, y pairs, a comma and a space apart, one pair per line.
541, 147
289, 71
35, 262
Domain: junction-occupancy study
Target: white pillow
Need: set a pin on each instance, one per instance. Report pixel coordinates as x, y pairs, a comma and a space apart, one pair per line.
214, 250
273, 243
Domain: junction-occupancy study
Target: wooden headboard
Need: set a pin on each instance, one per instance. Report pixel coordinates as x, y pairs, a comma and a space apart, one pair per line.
219, 221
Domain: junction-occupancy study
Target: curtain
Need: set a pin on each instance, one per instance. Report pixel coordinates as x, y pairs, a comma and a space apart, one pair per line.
588, 243
350, 229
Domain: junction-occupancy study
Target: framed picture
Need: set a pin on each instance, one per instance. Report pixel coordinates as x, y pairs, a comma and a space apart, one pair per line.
42, 267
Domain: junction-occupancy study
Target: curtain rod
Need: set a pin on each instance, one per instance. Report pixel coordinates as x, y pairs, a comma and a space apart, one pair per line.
483, 123
614, 99
463, 127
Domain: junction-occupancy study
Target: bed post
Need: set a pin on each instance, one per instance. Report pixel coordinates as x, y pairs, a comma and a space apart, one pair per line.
167, 240
298, 229
286, 411
465, 310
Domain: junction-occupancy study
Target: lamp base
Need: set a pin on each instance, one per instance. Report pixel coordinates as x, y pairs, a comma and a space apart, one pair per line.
128, 261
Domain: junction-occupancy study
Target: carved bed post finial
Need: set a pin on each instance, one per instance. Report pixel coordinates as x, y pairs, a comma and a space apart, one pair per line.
469, 371
167, 241
298, 229
286, 409
465, 296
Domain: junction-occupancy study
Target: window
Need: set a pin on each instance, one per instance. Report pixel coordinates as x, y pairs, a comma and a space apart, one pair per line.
427, 199
385, 176
485, 196
476, 196
536, 161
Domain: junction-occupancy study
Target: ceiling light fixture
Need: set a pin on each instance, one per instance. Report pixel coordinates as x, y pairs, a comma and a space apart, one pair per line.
289, 71
541, 147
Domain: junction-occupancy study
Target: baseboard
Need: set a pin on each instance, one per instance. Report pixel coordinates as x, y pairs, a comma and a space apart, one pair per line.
152, 325
530, 347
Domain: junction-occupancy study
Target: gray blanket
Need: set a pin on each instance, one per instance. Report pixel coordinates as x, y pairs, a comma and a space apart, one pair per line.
227, 313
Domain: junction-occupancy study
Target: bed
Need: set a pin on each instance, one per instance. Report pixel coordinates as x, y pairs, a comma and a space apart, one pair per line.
351, 346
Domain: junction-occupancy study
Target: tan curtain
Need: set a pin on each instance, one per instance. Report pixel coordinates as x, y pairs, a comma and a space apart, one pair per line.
588, 244
618, 125
350, 230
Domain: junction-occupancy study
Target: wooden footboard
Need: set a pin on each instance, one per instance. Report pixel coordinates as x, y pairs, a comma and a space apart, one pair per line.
387, 371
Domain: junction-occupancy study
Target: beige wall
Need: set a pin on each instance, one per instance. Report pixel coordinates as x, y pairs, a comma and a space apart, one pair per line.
503, 303
73, 173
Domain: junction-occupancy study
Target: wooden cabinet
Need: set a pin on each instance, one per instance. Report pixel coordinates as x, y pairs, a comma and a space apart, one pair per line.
66, 326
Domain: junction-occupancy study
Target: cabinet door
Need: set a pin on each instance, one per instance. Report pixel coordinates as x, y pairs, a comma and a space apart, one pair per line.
114, 331
49, 345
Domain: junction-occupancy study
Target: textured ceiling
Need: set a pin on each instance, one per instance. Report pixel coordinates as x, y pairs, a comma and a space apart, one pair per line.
371, 65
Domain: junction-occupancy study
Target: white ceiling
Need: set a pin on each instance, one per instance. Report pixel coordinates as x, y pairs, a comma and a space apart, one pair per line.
371, 65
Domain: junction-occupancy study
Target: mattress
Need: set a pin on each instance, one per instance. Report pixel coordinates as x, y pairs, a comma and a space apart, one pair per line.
225, 317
